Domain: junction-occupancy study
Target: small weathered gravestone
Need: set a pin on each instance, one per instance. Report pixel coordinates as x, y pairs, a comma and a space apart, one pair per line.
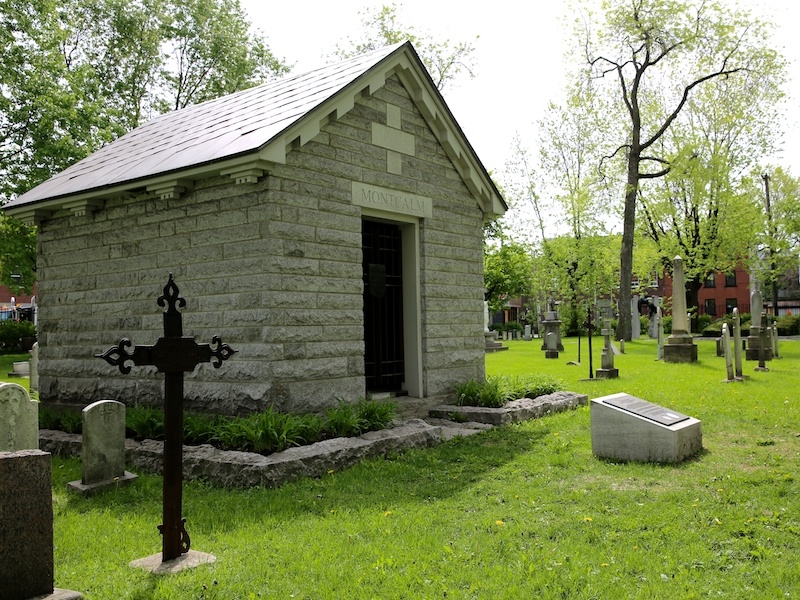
726, 348
660, 333
764, 345
628, 428
102, 448
607, 370
551, 345
527, 335
26, 527
737, 344
19, 419
680, 346
775, 341
34, 367
552, 324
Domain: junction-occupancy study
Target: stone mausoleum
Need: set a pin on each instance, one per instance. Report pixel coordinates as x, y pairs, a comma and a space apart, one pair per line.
328, 226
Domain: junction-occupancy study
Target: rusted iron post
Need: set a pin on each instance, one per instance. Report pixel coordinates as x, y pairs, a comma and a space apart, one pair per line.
174, 354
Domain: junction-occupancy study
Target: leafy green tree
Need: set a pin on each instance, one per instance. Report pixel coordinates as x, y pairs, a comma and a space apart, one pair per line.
445, 60
701, 209
76, 74
17, 254
653, 55
563, 193
778, 257
507, 273
225, 59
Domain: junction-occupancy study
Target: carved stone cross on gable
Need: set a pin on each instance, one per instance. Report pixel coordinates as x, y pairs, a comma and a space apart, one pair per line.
174, 354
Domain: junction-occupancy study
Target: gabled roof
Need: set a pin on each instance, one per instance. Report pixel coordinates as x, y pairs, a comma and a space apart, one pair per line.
242, 134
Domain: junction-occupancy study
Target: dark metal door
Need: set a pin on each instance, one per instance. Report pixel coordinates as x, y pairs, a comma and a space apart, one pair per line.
383, 306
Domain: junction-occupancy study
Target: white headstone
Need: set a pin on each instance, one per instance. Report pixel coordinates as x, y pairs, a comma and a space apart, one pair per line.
34, 367
102, 446
636, 318
680, 323
726, 346
19, 419
756, 305
737, 343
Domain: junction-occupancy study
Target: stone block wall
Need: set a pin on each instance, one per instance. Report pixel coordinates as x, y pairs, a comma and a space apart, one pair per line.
274, 268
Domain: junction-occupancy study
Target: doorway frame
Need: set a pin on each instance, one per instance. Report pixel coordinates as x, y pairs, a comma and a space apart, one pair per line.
412, 302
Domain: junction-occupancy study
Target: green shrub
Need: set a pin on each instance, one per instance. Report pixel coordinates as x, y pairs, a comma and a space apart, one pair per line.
667, 324
342, 421
375, 415
496, 391
200, 428
68, 421
144, 423
714, 329
266, 432
11, 334
704, 321
788, 325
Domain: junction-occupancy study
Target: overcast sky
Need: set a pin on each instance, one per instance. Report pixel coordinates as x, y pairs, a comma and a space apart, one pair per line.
519, 56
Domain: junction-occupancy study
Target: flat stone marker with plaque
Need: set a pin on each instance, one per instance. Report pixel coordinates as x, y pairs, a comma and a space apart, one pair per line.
625, 427
102, 448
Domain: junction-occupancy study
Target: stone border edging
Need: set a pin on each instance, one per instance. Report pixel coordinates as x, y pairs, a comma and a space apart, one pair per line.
516, 410
233, 469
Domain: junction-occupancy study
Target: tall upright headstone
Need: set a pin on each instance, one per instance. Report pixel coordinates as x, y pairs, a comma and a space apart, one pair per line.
19, 419
552, 324
737, 344
636, 318
726, 348
753, 351
680, 346
102, 448
26, 527
660, 332
34, 367
607, 370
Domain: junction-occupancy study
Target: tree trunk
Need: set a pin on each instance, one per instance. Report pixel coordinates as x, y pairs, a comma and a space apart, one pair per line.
626, 253
692, 301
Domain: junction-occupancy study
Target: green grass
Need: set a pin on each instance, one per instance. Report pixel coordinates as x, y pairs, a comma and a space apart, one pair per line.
517, 512
7, 366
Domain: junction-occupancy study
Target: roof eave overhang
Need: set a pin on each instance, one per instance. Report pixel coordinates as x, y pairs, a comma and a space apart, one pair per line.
249, 166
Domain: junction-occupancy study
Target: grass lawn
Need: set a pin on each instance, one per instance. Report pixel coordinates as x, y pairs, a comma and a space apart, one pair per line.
518, 512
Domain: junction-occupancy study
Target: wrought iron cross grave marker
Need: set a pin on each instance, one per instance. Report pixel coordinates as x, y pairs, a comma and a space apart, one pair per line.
174, 354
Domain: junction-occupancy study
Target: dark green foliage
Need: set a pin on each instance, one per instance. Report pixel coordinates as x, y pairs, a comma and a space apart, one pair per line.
374, 414
496, 391
704, 321
200, 428
144, 423
265, 433
11, 334
788, 325
68, 421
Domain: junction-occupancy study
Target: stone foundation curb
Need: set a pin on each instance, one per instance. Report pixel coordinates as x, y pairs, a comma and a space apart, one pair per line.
516, 410
234, 469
